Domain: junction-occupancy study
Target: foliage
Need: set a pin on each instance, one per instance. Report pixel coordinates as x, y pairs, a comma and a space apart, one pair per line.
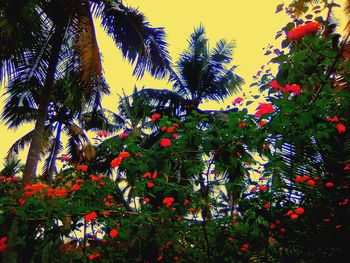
228, 186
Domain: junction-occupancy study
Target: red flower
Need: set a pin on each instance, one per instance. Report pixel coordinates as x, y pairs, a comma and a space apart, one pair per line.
329, 185
267, 205
272, 226
3, 247
237, 101
154, 175
302, 30
147, 175
89, 217
150, 184
262, 188
21, 201
299, 211
282, 230
311, 183
305, 177
340, 127
168, 201
56, 192
103, 134
116, 162
171, 129
94, 178
290, 212
242, 124
264, 108
3, 240
294, 216
334, 119
79, 181
299, 179
175, 135
165, 142
186, 202
123, 135
274, 84
113, 233
146, 200
82, 168
347, 167
262, 123
75, 187
124, 155
155, 117
254, 188
163, 128
293, 88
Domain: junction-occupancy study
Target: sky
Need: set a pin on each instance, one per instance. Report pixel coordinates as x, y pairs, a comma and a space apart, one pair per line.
251, 24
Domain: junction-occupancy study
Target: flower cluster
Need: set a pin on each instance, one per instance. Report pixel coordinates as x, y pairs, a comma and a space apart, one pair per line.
294, 88
339, 126
150, 177
295, 214
103, 134
155, 117
264, 108
302, 30
118, 160
168, 201
3, 243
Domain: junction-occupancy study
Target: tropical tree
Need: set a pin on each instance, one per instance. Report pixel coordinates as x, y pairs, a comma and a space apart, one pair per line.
39, 37
200, 74
67, 108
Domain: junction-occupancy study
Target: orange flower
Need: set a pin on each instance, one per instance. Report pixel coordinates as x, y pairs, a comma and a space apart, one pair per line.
123, 135
262, 188
302, 30
168, 201
57, 192
155, 117
124, 155
90, 217
294, 216
329, 185
262, 123
299, 211
154, 175
82, 168
293, 88
334, 119
264, 108
340, 128
242, 124
274, 84
311, 183
116, 162
147, 175
165, 142
113, 233
150, 184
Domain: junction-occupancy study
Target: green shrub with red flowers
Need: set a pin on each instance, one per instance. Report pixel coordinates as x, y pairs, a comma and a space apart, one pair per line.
229, 186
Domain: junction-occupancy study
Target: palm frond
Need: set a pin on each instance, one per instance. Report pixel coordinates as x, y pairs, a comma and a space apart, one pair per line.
166, 101
137, 40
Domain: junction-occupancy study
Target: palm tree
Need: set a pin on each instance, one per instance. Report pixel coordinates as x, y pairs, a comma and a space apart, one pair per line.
66, 114
39, 37
200, 74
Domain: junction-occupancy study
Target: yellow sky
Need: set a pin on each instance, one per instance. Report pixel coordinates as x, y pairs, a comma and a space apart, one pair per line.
252, 24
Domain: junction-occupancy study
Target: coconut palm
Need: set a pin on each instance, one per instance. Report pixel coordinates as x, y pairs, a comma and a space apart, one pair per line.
200, 74
38, 38
65, 115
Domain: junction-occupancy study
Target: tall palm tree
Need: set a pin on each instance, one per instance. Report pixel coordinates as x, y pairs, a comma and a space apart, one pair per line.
39, 37
200, 74
66, 115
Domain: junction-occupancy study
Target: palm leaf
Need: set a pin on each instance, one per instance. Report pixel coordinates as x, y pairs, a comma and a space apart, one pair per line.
137, 40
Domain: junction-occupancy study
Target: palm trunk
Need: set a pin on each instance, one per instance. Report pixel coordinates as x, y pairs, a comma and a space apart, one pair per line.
54, 154
36, 143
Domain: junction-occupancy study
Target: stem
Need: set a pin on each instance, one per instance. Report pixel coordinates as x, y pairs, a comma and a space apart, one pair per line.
36, 143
